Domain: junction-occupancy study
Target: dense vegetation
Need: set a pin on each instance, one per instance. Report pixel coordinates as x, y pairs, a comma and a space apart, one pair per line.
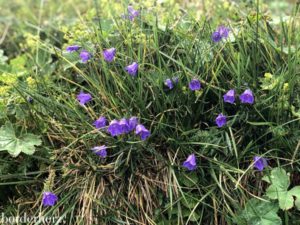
188, 155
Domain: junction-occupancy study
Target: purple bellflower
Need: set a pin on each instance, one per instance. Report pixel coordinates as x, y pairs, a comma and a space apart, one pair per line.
123, 123
132, 122
114, 128
132, 69
85, 56
84, 98
229, 96
190, 162
142, 132
72, 48
169, 83
109, 54
49, 199
216, 36
100, 151
222, 32
132, 13
195, 85
221, 120
260, 163
100, 122
247, 97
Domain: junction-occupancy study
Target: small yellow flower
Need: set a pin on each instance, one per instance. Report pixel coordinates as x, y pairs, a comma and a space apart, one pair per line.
285, 87
268, 76
31, 82
226, 5
4, 90
9, 79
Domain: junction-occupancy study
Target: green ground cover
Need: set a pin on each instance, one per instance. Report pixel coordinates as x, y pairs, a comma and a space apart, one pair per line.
185, 164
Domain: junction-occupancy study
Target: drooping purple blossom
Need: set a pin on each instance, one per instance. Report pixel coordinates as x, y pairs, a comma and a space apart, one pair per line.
109, 54
100, 151
72, 48
229, 96
260, 163
132, 122
100, 122
124, 125
190, 163
132, 13
195, 85
216, 36
114, 128
169, 83
85, 56
49, 199
132, 69
220, 33
84, 98
223, 31
221, 120
247, 97
142, 132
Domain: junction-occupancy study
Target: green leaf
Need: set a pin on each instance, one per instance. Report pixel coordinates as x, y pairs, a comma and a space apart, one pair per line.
295, 191
189, 179
193, 216
15, 145
189, 201
70, 60
259, 212
278, 189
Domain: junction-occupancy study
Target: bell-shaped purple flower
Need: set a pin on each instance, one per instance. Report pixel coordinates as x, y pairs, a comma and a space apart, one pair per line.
220, 33
72, 48
100, 151
190, 163
114, 128
132, 69
247, 97
85, 56
142, 132
260, 163
132, 122
109, 54
100, 122
124, 126
229, 96
195, 85
223, 31
84, 98
216, 36
132, 12
221, 120
169, 83
49, 199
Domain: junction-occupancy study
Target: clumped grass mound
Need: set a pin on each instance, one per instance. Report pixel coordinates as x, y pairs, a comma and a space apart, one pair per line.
144, 181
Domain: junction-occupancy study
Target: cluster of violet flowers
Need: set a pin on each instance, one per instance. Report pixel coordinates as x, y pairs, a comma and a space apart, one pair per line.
115, 127
221, 33
246, 97
125, 126
108, 55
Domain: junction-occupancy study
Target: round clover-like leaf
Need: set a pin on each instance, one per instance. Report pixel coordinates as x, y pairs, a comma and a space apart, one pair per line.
15, 145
